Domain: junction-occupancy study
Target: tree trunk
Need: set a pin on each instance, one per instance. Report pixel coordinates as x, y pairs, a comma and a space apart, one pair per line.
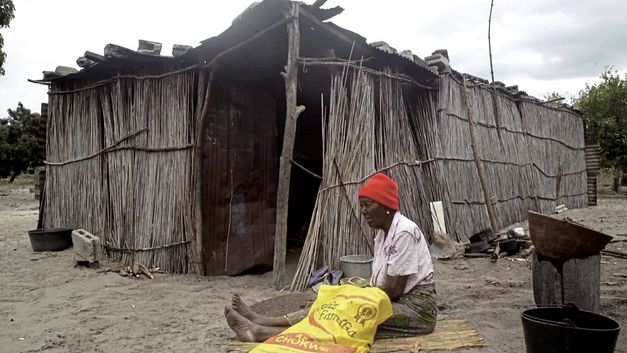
574, 281
617, 177
13, 176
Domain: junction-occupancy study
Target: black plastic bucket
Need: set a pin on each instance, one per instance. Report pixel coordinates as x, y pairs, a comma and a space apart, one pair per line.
568, 330
54, 239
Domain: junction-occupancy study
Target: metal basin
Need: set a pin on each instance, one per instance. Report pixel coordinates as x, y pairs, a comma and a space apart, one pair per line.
53, 239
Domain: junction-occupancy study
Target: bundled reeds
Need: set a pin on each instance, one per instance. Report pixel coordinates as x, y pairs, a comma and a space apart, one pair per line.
532, 156
367, 129
557, 149
119, 163
336, 228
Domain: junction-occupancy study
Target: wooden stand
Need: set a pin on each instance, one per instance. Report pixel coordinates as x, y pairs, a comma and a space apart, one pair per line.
577, 281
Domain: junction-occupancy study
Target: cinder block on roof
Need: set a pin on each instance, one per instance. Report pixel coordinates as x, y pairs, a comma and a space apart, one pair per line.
148, 47
180, 49
381, 45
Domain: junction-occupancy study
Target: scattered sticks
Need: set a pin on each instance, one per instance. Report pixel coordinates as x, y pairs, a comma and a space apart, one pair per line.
135, 270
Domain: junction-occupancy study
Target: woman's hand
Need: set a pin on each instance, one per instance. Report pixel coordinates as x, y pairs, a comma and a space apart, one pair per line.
394, 286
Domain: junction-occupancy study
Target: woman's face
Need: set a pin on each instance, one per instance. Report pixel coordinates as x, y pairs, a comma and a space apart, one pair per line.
374, 213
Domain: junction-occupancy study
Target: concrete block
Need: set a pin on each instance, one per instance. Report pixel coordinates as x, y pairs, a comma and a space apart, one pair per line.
87, 245
439, 61
407, 54
180, 49
381, 45
84, 62
443, 52
64, 70
148, 47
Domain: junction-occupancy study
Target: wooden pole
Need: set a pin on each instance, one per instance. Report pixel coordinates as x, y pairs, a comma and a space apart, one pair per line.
292, 112
475, 153
489, 41
202, 108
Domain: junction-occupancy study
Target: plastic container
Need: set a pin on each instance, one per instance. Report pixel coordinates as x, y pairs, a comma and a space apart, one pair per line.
54, 239
356, 265
568, 330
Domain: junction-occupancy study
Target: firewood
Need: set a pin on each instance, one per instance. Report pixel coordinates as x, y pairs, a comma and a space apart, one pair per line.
145, 271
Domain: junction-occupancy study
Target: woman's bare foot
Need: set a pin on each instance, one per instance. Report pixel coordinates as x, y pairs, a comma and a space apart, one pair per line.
243, 309
267, 321
242, 327
248, 331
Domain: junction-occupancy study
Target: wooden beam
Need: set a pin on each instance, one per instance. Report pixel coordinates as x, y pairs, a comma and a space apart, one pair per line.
292, 112
475, 153
202, 101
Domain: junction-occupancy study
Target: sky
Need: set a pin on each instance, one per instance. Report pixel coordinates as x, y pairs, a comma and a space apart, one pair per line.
541, 46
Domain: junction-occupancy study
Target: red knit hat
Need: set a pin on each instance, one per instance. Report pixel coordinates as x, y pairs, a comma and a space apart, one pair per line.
381, 189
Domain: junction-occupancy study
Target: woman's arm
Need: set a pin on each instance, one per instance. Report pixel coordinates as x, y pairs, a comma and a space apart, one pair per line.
394, 286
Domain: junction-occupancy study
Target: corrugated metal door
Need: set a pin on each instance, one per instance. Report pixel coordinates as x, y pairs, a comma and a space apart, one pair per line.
240, 167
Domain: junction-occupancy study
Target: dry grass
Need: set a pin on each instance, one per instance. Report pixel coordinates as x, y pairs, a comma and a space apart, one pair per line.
24, 180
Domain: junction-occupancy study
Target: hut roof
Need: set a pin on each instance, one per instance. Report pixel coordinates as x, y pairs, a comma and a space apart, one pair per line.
260, 26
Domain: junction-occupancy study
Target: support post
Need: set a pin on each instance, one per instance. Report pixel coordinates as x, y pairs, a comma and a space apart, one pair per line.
475, 153
292, 112
574, 281
202, 104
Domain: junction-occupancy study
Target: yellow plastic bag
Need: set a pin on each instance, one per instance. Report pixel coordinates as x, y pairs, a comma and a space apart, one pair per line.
343, 319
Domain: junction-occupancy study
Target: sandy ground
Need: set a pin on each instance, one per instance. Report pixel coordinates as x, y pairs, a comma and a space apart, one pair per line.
47, 305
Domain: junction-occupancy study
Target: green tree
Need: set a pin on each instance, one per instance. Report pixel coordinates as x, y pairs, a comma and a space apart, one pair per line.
553, 99
604, 108
18, 142
6, 15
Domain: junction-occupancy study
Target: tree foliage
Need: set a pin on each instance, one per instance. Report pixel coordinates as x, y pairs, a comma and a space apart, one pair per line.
554, 99
18, 142
6, 15
604, 108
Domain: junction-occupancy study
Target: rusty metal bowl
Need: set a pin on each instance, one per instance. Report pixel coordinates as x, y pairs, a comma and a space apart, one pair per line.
564, 239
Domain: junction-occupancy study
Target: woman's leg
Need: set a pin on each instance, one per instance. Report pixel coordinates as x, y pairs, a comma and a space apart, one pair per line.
415, 313
244, 310
272, 321
248, 331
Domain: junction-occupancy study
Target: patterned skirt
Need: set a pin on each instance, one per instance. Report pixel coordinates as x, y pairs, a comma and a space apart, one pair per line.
415, 313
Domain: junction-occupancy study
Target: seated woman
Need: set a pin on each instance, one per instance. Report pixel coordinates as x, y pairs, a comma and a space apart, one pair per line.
401, 267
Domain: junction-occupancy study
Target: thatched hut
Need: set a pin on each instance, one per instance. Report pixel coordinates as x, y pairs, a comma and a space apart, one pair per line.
185, 162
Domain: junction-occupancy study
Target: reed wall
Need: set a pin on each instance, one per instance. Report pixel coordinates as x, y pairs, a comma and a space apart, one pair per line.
119, 160
532, 155
367, 127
